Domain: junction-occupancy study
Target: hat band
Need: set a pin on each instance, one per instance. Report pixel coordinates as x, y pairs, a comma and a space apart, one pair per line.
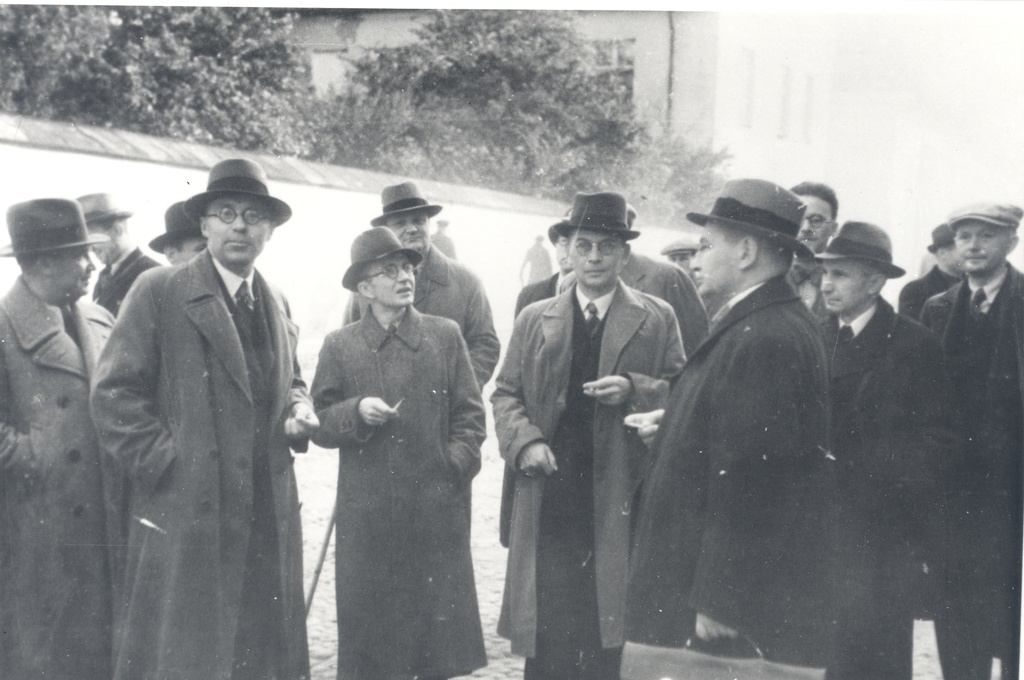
51, 237
404, 204
840, 245
731, 209
245, 185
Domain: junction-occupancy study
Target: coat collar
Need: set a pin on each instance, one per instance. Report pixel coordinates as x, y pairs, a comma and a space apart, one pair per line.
633, 272
773, 292
867, 347
409, 331
436, 269
39, 329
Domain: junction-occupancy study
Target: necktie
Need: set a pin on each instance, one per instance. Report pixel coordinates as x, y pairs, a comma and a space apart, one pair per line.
845, 334
592, 319
977, 300
244, 299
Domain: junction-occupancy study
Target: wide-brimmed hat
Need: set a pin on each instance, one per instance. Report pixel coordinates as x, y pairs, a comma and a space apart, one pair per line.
604, 212
47, 224
942, 237
684, 244
997, 214
374, 244
862, 241
403, 198
238, 176
101, 207
178, 226
760, 208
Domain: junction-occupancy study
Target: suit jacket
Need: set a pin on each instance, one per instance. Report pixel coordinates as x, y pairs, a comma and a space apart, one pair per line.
174, 410
916, 293
533, 292
734, 515
641, 340
55, 598
447, 288
109, 291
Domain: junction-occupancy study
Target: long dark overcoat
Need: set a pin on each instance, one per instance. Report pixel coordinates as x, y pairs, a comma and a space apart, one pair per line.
641, 339
916, 292
110, 290
734, 517
448, 289
405, 591
55, 605
173, 408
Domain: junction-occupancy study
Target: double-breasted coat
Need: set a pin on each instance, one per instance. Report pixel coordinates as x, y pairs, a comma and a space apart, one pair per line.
55, 603
173, 409
734, 512
405, 591
641, 340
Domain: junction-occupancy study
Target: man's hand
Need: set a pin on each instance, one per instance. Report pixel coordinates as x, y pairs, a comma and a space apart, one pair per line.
611, 389
302, 423
536, 459
646, 424
375, 412
708, 629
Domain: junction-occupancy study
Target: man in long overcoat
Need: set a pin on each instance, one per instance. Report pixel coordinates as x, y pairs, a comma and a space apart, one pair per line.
55, 602
733, 524
980, 322
577, 364
396, 394
891, 436
198, 399
944, 275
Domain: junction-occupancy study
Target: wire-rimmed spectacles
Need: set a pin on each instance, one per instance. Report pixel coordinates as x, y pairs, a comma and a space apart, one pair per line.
227, 215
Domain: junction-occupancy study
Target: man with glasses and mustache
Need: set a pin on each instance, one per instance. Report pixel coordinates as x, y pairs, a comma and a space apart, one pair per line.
398, 398
821, 207
577, 364
198, 399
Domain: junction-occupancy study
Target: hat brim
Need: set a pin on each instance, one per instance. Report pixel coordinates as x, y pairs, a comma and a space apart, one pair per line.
382, 220
103, 217
163, 240
93, 239
354, 274
889, 270
980, 218
799, 248
567, 230
195, 207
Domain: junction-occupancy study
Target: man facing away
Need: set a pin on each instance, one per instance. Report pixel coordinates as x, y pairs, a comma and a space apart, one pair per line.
198, 399
980, 322
397, 397
821, 209
946, 272
55, 593
577, 364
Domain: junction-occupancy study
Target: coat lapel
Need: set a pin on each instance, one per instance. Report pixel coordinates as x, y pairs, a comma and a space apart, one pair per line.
40, 332
284, 336
625, 316
205, 307
93, 331
632, 273
556, 327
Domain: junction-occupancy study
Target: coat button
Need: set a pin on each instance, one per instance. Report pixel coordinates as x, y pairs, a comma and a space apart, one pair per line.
63, 401
78, 511
75, 455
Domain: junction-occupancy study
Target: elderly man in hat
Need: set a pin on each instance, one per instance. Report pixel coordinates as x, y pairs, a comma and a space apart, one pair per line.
576, 365
891, 433
55, 601
981, 324
444, 287
182, 238
198, 399
124, 261
943, 276
732, 535
681, 251
398, 398
821, 209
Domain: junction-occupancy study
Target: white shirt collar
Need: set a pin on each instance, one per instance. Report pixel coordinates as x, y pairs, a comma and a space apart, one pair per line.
861, 322
232, 280
602, 303
991, 289
739, 296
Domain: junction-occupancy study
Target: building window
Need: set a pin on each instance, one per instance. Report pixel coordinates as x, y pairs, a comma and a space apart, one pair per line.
808, 108
784, 115
615, 65
746, 80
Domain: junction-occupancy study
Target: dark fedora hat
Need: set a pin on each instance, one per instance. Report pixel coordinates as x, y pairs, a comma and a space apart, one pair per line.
862, 241
374, 244
403, 198
760, 208
100, 207
238, 176
47, 224
942, 237
178, 226
604, 212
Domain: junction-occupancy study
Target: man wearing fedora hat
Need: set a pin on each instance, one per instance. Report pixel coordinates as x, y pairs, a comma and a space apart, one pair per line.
980, 322
732, 532
182, 238
891, 433
396, 395
124, 261
55, 590
198, 399
576, 365
942, 277
444, 287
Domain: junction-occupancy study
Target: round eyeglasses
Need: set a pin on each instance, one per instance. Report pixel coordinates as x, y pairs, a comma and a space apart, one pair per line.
607, 247
227, 215
392, 270
817, 221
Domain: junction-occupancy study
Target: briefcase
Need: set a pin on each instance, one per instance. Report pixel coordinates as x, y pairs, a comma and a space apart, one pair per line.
647, 662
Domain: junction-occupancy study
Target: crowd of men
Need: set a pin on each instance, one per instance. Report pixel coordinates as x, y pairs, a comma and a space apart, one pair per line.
745, 449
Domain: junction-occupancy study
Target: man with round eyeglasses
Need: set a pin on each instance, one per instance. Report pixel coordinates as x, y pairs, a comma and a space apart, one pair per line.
398, 398
821, 207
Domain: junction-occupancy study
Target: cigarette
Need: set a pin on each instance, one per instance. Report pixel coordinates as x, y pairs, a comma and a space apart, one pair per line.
395, 407
146, 523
